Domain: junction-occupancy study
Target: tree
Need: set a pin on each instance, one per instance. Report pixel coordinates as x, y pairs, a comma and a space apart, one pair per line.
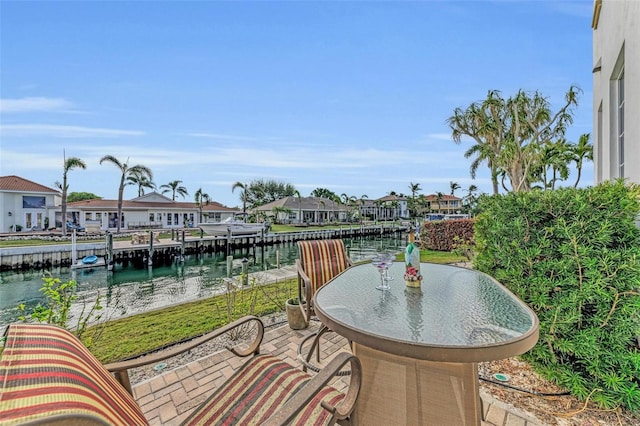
68, 165
581, 151
261, 191
280, 213
509, 134
412, 203
439, 197
414, 188
81, 196
325, 193
201, 198
470, 201
553, 163
125, 172
141, 180
175, 188
243, 194
454, 187
297, 194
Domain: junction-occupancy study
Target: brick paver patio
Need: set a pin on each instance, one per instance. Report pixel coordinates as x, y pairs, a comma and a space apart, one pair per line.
168, 398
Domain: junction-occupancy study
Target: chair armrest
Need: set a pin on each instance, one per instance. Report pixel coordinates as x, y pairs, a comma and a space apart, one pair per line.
300, 400
303, 278
120, 368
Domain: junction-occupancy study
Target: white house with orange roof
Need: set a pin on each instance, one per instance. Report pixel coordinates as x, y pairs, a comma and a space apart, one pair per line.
151, 210
26, 205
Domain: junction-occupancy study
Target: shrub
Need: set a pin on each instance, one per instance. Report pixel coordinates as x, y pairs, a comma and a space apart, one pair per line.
59, 297
573, 255
445, 235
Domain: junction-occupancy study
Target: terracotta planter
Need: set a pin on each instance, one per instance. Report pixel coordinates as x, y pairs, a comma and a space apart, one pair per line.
294, 315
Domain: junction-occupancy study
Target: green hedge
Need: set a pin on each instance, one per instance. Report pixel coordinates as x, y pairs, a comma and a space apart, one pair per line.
573, 255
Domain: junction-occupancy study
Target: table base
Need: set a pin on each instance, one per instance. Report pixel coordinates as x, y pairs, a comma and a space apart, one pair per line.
399, 390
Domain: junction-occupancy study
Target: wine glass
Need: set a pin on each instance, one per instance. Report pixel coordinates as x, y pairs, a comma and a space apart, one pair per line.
389, 259
381, 261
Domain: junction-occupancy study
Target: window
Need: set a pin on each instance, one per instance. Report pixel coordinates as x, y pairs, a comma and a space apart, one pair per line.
151, 217
620, 122
30, 202
87, 216
169, 219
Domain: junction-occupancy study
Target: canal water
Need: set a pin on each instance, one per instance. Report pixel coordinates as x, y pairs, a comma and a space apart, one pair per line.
129, 289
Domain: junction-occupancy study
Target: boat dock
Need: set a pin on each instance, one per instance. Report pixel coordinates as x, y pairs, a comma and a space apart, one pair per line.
153, 250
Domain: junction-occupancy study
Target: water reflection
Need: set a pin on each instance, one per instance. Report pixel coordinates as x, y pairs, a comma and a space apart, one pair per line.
129, 290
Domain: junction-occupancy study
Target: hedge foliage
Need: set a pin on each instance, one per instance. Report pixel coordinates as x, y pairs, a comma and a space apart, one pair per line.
573, 255
445, 235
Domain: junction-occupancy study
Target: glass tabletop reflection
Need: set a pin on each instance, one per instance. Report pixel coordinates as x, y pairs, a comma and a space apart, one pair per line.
453, 308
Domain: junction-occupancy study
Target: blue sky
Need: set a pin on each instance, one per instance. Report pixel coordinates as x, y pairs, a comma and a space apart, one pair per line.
348, 96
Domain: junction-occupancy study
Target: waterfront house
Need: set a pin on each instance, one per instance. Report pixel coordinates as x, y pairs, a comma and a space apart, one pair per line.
148, 211
444, 204
310, 210
26, 205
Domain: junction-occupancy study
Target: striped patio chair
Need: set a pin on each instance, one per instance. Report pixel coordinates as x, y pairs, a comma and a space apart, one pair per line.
318, 262
48, 377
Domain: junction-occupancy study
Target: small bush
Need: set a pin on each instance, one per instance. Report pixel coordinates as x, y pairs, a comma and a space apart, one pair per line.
573, 255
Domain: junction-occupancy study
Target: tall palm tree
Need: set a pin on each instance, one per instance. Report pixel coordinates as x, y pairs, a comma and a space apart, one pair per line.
297, 194
175, 188
414, 188
454, 187
141, 180
126, 171
439, 196
582, 150
243, 194
201, 198
68, 165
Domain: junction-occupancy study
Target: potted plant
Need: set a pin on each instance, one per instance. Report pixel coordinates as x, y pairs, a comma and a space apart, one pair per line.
294, 314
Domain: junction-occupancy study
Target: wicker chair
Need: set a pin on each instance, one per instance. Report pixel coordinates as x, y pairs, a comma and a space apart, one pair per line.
48, 377
318, 262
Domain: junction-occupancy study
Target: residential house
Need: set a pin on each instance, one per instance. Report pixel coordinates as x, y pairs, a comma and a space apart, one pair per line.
26, 205
389, 207
313, 210
616, 86
444, 204
151, 210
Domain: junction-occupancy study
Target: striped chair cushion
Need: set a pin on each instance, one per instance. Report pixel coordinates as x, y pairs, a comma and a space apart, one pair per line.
48, 375
322, 260
258, 390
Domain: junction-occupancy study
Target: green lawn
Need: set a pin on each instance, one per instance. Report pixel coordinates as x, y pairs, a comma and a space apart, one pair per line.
130, 336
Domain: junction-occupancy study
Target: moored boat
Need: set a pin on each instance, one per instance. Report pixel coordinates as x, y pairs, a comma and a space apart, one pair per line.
89, 260
236, 227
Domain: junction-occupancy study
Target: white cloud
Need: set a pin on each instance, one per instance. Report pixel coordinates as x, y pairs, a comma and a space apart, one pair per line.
59, 131
34, 104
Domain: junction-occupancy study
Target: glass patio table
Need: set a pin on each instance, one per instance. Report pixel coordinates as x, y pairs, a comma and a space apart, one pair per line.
419, 347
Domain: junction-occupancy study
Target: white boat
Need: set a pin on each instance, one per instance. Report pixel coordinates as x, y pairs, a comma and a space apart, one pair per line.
236, 227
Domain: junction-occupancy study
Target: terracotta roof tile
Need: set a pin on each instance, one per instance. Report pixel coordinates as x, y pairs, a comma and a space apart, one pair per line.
18, 184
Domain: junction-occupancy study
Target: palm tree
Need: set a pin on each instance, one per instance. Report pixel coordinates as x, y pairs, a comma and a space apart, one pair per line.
68, 165
141, 180
126, 171
243, 194
414, 188
439, 196
200, 198
454, 187
581, 151
297, 194
175, 188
